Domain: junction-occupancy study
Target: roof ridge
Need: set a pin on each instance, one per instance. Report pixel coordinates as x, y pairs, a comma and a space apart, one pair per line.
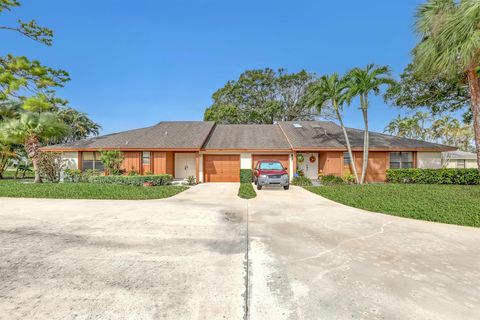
286, 137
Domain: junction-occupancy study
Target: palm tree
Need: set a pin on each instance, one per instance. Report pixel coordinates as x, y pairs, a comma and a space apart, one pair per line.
362, 82
450, 46
9, 110
31, 130
81, 126
332, 92
400, 127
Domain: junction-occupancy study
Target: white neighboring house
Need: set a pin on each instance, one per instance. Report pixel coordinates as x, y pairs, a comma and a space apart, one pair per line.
459, 160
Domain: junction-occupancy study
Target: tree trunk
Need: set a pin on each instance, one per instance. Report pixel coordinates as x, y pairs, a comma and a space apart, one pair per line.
366, 144
474, 85
32, 146
349, 148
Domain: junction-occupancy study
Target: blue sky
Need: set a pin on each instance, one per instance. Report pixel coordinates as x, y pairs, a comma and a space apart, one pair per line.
135, 63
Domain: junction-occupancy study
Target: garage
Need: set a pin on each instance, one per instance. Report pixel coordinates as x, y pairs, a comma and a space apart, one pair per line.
283, 158
221, 168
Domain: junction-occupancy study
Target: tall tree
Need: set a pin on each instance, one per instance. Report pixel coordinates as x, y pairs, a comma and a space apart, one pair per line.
81, 126
262, 96
362, 83
445, 129
31, 130
437, 95
331, 92
22, 78
450, 47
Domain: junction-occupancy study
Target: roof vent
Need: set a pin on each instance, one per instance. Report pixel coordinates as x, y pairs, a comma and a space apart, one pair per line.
297, 125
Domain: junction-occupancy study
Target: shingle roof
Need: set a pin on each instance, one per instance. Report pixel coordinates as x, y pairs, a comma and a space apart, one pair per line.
177, 134
247, 136
462, 155
281, 136
327, 134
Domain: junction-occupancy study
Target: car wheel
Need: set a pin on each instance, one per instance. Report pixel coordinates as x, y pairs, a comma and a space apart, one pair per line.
286, 187
259, 187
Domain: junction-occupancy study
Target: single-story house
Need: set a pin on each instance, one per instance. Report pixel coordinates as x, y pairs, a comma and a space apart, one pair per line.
460, 160
215, 152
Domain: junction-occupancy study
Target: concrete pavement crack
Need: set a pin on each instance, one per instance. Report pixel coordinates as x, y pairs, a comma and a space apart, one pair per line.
247, 267
318, 255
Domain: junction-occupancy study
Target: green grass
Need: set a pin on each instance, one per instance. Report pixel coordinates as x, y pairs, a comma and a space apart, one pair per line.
10, 173
246, 191
451, 204
22, 189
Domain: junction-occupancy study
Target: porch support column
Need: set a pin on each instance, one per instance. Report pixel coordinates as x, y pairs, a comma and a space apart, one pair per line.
80, 161
294, 169
197, 167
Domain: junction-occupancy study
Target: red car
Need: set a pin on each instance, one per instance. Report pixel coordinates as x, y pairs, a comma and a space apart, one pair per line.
270, 172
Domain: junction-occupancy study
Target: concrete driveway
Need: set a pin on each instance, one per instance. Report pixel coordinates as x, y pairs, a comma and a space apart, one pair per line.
185, 258
311, 258
178, 258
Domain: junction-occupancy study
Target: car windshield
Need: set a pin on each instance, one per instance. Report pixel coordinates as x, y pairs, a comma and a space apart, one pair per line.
271, 166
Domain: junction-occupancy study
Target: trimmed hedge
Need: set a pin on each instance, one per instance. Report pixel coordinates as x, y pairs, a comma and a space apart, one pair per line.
155, 180
246, 175
434, 176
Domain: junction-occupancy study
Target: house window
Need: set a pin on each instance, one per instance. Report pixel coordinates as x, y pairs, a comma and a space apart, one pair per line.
460, 163
91, 161
401, 160
346, 159
145, 157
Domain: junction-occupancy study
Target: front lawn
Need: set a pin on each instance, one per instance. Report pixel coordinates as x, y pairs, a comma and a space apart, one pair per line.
453, 204
23, 189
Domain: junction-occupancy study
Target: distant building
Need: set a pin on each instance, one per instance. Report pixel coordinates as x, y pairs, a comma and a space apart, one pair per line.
459, 159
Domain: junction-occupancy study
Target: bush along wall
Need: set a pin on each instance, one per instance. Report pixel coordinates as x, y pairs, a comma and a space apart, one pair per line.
246, 175
434, 176
154, 180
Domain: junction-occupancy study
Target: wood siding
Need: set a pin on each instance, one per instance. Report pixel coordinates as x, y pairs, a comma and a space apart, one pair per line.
221, 168
131, 161
330, 163
170, 163
159, 162
378, 162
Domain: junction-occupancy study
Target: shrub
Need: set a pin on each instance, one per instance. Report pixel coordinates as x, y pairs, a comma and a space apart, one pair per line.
348, 178
301, 181
112, 160
331, 179
155, 180
434, 176
246, 191
89, 173
72, 175
246, 175
50, 165
133, 173
191, 180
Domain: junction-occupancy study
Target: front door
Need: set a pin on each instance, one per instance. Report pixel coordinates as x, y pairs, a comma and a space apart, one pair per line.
309, 167
185, 165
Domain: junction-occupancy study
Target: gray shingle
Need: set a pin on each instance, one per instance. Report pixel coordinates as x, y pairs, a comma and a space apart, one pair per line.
175, 134
327, 134
195, 134
247, 136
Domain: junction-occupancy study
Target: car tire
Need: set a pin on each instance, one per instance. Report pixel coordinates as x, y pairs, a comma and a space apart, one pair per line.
259, 187
286, 187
